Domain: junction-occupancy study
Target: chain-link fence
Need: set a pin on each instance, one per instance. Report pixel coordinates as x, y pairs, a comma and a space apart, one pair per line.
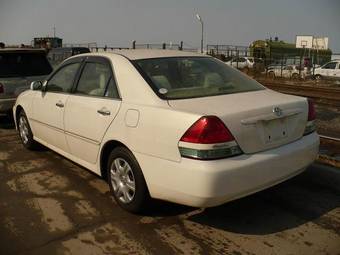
273, 62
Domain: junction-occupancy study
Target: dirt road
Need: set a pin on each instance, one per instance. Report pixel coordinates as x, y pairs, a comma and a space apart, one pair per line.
49, 205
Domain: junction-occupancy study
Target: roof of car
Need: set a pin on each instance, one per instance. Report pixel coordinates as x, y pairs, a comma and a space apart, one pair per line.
22, 50
150, 53
68, 48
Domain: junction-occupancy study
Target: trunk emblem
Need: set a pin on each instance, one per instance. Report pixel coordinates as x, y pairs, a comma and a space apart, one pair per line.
277, 111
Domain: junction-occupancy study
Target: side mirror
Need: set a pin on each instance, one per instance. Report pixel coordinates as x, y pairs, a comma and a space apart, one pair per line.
36, 85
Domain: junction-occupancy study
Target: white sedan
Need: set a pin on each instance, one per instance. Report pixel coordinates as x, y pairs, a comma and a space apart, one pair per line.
170, 125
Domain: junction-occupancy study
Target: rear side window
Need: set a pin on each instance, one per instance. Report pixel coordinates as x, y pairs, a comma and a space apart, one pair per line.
96, 80
18, 64
63, 79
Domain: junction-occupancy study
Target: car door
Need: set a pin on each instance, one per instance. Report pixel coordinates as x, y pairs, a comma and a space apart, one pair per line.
91, 108
328, 69
48, 105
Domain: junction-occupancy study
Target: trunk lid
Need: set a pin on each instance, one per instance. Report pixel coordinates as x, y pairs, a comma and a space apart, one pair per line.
259, 120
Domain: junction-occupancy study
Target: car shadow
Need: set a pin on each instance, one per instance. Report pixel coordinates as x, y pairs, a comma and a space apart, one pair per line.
304, 198
6, 122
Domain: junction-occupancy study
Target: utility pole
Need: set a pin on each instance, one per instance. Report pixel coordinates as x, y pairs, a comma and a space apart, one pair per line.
201, 21
54, 31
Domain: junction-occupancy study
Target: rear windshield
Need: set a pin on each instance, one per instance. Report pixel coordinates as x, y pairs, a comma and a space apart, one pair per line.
189, 77
23, 64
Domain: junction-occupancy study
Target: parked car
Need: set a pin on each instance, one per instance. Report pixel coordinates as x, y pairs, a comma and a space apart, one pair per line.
171, 125
57, 55
18, 68
287, 71
330, 70
242, 62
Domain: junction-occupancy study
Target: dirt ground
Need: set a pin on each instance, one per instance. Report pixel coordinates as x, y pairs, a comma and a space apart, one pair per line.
328, 120
49, 205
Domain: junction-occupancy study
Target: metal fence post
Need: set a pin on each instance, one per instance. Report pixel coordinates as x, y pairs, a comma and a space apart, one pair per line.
237, 58
282, 57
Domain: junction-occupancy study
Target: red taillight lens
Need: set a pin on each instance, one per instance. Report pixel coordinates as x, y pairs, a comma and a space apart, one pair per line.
208, 130
1, 88
311, 111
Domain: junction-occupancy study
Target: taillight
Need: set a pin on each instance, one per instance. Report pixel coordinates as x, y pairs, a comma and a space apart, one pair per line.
208, 130
2, 90
208, 138
310, 126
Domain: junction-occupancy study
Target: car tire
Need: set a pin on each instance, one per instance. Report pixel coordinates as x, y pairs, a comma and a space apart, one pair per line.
25, 132
318, 77
126, 181
246, 70
271, 75
295, 76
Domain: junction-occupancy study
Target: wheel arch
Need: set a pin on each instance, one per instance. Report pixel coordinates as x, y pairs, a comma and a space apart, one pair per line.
105, 153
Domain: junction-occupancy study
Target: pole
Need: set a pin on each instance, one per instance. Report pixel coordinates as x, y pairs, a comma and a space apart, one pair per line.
202, 38
200, 20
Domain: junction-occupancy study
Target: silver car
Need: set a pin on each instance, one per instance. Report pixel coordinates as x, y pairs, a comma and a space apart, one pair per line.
18, 68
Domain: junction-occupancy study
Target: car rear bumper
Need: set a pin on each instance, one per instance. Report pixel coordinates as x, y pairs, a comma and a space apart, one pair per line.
210, 183
6, 104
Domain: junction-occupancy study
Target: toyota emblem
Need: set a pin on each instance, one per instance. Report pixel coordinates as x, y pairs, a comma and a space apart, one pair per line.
277, 111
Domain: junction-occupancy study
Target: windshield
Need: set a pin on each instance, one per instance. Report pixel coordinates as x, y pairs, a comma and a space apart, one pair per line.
19, 64
189, 77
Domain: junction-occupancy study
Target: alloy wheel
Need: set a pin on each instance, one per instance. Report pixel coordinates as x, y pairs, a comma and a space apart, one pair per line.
122, 180
23, 129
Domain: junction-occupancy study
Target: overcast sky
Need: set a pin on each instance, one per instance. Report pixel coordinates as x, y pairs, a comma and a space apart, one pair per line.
119, 22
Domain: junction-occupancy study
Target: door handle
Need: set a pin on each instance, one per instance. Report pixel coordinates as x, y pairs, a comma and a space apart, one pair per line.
104, 112
60, 104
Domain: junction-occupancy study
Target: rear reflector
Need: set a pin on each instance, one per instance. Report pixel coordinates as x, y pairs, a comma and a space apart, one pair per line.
207, 139
210, 154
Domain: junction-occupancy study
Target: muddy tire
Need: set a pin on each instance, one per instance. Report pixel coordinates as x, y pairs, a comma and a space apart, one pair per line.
126, 181
318, 77
271, 75
25, 132
295, 76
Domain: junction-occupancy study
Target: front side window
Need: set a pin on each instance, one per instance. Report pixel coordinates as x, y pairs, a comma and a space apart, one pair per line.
189, 77
95, 80
62, 81
330, 65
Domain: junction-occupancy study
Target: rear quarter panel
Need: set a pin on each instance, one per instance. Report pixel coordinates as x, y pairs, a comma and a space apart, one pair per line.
157, 132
